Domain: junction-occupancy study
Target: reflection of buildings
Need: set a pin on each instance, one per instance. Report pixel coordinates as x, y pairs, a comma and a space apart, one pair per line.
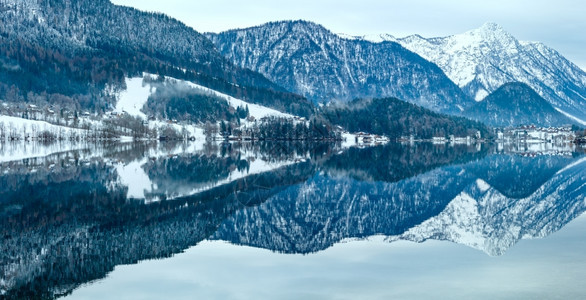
363, 138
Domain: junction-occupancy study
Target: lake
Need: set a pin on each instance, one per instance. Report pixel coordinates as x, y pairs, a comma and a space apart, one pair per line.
291, 221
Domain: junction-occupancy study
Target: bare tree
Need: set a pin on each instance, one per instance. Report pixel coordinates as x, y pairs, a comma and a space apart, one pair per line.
210, 130
2, 131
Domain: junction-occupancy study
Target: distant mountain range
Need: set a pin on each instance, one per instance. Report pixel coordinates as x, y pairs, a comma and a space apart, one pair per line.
308, 59
480, 61
74, 53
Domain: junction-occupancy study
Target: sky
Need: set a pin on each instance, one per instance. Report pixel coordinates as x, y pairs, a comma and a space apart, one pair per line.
560, 24
369, 269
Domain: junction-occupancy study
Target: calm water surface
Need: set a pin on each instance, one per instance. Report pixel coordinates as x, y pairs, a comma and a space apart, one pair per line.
290, 221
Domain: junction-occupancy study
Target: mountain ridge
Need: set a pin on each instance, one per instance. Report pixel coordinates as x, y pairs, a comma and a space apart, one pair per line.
309, 59
95, 44
515, 104
483, 59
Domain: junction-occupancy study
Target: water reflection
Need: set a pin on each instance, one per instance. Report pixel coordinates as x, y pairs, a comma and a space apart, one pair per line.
70, 217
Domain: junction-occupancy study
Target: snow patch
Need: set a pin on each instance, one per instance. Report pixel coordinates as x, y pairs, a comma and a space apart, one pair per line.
133, 99
349, 140
571, 116
134, 177
483, 186
255, 110
480, 95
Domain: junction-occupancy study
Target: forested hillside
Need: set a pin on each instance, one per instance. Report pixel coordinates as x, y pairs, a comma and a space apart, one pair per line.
396, 119
71, 53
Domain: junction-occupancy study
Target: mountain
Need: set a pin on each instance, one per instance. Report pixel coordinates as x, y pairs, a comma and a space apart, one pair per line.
308, 59
395, 119
516, 104
68, 52
75, 26
482, 60
448, 203
482, 217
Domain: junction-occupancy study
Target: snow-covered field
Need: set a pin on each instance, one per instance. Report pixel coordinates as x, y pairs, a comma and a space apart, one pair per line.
133, 99
29, 127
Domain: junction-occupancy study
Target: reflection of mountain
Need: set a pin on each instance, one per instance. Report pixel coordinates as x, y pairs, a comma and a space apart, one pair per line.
323, 211
450, 203
66, 219
486, 219
517, 176
77, 224
328, 208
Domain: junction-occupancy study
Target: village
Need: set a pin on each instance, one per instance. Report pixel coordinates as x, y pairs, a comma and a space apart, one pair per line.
535, 134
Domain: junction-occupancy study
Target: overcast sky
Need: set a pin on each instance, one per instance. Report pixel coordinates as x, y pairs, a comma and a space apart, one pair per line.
561, 24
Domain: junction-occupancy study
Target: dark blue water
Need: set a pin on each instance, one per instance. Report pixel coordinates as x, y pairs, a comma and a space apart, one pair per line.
290, 221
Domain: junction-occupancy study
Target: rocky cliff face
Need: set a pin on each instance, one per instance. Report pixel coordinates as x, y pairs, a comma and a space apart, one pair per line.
308, 59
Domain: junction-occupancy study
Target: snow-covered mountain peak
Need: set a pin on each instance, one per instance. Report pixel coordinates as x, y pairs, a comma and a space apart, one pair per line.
414, 38
483, 59
490, 28
388, 37
489, 32
373, 38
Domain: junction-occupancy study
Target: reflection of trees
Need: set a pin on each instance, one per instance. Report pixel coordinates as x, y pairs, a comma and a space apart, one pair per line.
71, 223
517, 176
76, 226
396, 162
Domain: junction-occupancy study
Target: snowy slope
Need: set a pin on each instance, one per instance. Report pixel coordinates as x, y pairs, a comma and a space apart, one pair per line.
133, 99
483, 59
255, 110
